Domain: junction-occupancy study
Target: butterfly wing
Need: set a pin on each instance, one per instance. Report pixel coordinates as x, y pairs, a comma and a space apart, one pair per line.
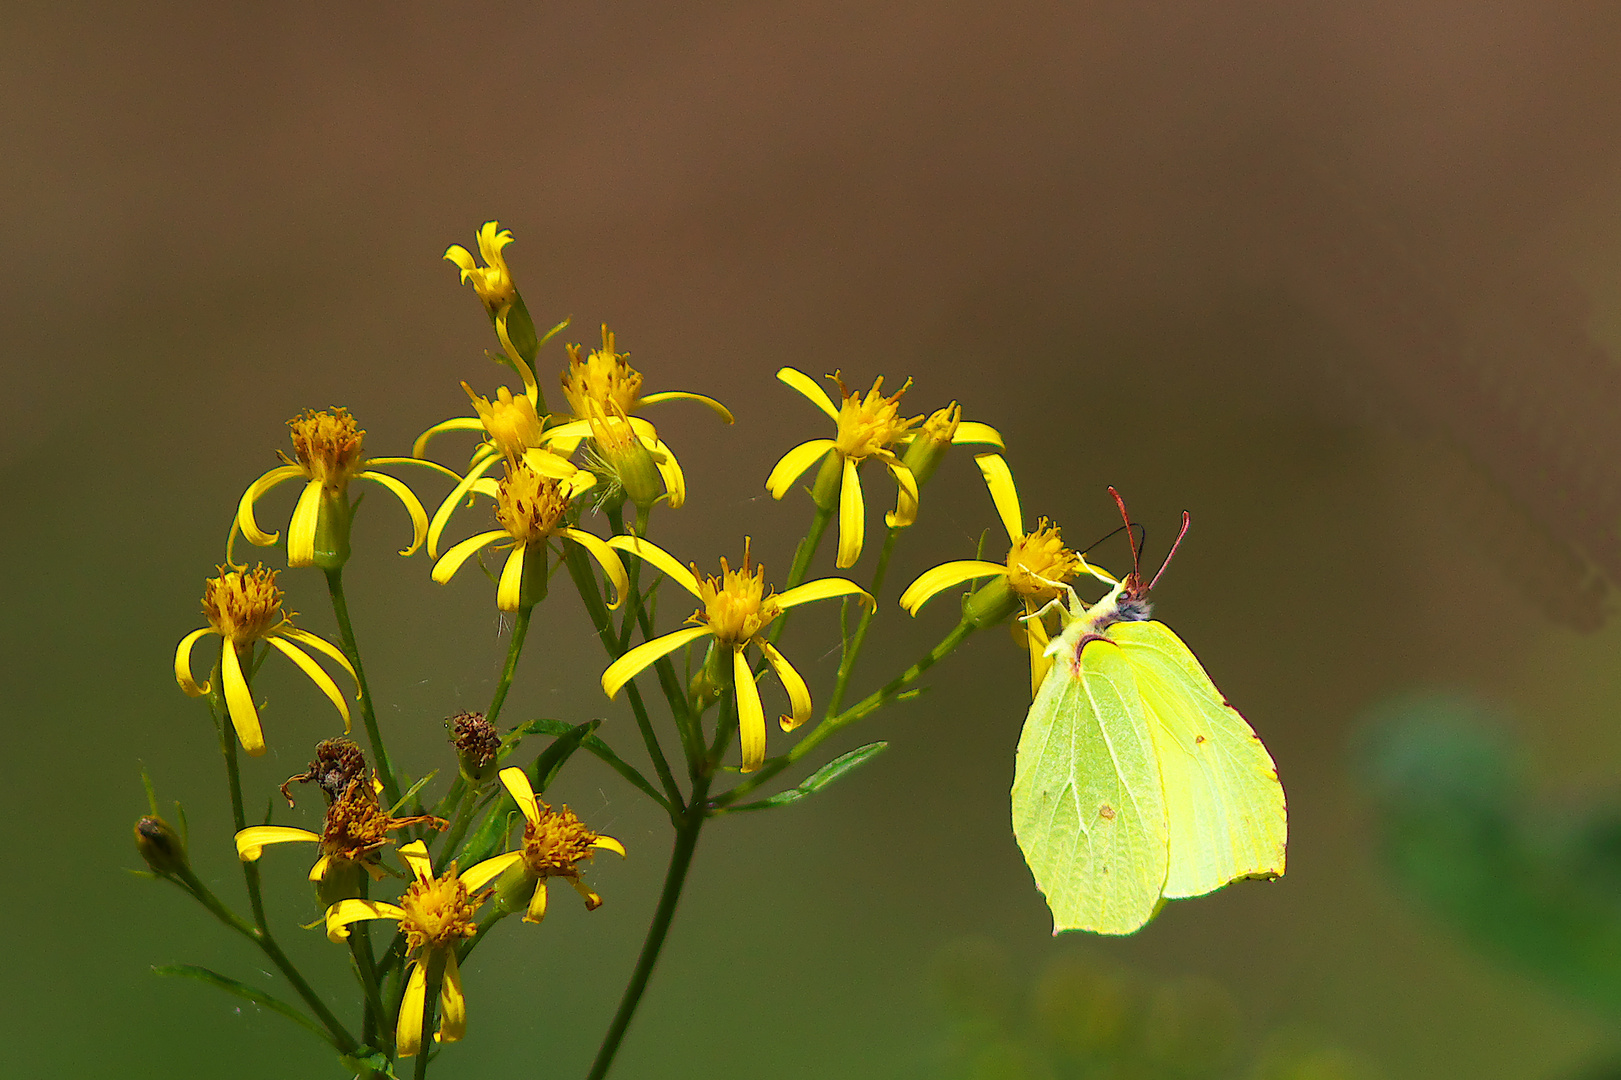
1087, 806
1224, 805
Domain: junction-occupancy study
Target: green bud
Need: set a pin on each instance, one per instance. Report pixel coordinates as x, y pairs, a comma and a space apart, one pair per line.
332, 531
160, 845
932, 442
515, 888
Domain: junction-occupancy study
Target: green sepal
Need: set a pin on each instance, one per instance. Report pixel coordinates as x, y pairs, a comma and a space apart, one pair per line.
332, 524
247, 993
817, 780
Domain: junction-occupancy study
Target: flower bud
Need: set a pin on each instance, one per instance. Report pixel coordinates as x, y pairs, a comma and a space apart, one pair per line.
932, 442
160, 845
514, 888
829, 481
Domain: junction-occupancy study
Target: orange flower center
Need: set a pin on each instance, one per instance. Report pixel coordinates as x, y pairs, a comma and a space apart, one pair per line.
736, 606
602, 377
243, 606
1041, 554
328, 446
871, 423
528, 505
438, 911
557, 845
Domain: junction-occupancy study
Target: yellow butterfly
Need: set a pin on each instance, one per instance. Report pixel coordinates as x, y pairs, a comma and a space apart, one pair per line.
1136, 782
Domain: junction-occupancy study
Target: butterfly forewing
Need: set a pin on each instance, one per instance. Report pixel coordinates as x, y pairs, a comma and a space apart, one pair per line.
1224, 805
1087, 806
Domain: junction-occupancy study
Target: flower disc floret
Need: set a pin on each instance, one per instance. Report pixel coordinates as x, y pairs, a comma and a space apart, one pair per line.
736, 606
1038, 563
327, 445
604, 378
555, 844
512, 423
529, 506
871, 423
243, 606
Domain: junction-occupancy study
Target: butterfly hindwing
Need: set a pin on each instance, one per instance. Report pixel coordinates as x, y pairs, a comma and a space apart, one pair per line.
1088, 810
1224, 806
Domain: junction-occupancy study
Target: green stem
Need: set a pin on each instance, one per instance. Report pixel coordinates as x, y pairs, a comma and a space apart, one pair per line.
458, 828
430, 1012
493, 916
267, 944
675, 877
520, 628
803, 554
368, 714
847, 662
233, 774
586, 583
863, 708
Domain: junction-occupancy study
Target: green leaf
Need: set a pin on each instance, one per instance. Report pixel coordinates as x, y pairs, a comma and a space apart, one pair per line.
819, 779
551, 760
509, 741
247, 993
599, 749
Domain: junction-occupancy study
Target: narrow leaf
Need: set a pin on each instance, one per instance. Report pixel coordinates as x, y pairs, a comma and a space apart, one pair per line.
246, 992
551, 760
416, 787
817, 780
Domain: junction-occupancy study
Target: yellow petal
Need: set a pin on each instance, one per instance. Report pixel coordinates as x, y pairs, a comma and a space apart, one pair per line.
408, 1032
344, 912
477, 876
413, 506
750, 716
462, 258
415, 855
509, 592
301, 530
970, 432
419, 449
650, 552
793, 464
999, 479
810, 388
316, 673
549, 464
608, 843
681, 395
451, 561
823, 589
239, 702
606, 558
675, 483
852, 517
537, 903
905, 496
799, 699
624, 669
452, 1003
244, 508
320, 645
1036, 640
517, 784
942, 577
250, 842
182, 662
441, 516
592, 900
318, 871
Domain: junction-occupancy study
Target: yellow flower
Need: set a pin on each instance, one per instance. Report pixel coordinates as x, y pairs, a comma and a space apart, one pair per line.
604, 390
867, 427
493, 281
356, 828
327, 445
555, 843
244, 607
736, 612
530, 507
436, 915
1037, 565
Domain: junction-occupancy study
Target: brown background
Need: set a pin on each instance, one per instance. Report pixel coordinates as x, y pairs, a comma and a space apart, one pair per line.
1341, 280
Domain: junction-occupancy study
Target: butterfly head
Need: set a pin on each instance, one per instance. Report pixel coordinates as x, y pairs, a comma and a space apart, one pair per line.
1128, 600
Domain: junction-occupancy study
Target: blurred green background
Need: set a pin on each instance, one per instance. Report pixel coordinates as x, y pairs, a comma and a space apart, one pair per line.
1342, 281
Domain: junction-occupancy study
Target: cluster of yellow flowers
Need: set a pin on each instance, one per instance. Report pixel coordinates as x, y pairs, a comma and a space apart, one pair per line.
599, 452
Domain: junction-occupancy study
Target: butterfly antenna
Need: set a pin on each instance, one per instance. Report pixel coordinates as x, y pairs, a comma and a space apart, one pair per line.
1116, 531
1136, 549
1186, 521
